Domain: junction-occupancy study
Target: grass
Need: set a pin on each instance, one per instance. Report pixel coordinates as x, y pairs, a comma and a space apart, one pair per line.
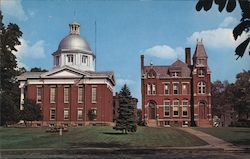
237, 136
14, 138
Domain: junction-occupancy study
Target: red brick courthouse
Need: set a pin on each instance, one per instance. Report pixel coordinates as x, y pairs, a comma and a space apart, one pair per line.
72, 89
167, 91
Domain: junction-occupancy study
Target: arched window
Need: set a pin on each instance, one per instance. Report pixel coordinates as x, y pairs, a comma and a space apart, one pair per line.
201, 87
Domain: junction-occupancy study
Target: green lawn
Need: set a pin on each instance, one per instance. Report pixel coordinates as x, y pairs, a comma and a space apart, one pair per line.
96, 137
238, 136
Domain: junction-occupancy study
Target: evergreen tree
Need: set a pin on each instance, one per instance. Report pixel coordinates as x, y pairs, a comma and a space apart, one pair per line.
9, 92
126, 119
31, 112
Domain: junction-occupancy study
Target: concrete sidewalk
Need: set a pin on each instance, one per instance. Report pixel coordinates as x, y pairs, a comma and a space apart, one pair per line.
213, 141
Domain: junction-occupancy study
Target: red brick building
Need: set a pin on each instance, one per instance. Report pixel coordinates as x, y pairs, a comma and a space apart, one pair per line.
72, 89
167, 91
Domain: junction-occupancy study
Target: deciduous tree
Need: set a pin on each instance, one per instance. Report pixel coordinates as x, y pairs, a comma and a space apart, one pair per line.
243, 26
9, 92
31, 112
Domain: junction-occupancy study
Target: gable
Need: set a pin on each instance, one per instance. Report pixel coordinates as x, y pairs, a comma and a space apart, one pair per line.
65, 73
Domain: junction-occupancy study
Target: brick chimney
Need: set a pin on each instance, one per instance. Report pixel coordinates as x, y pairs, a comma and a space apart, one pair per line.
142, 62
188, 55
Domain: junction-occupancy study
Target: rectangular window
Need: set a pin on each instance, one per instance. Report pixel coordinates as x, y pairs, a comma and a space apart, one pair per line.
80, 94
166, 89
52, 114
52, 95
176, 88
148, 89
93, 94
66, 94
176, 108
39, 94
66, 114
79, 114
166, 108
70, 58
185, 108
184, 88
184, 111
153, 89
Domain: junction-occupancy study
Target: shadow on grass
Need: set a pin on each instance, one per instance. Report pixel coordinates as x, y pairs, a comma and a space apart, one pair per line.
99, 145
114, 133
242, 142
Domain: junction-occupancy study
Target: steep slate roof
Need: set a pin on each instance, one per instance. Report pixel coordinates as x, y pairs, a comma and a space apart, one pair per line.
200, 51
164, 71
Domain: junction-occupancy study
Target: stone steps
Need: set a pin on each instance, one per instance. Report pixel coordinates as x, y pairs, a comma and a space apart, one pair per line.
152, 123
204, 123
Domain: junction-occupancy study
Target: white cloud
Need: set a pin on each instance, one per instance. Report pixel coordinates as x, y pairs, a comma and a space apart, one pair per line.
14, 8
35, 51
121, 82
228, 21
217, 38
164, 51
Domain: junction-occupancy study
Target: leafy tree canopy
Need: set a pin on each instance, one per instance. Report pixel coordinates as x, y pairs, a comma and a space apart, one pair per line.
243, 26
38, 69
31, 112
9, 92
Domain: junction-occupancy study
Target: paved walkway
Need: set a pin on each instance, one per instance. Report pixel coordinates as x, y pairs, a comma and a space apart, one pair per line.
213, 141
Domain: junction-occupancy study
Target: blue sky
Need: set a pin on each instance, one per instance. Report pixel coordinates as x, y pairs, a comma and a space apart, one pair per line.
126, 29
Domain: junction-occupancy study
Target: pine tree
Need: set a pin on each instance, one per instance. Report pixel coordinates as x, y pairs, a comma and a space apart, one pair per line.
126, 119
9, 92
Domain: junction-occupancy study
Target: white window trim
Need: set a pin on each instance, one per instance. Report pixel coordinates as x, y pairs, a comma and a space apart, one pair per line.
164, 106
37, 97
52, 100
78, 94
50, 114
66, 100
93, 98
166, 84
66, 109
201, 85
178, 106
79, 109
178, 89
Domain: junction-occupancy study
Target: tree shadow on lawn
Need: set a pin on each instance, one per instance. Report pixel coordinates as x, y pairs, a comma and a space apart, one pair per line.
98, 145
114, 133
242, 142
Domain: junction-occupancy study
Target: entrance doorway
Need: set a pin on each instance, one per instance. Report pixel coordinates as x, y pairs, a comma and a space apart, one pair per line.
202, 110
152, 110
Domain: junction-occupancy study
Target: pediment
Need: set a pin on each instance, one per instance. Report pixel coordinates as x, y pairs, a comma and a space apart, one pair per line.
64, 73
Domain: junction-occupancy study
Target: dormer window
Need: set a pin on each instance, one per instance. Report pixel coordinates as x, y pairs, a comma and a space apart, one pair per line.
70, 58
175, 74
151, 74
